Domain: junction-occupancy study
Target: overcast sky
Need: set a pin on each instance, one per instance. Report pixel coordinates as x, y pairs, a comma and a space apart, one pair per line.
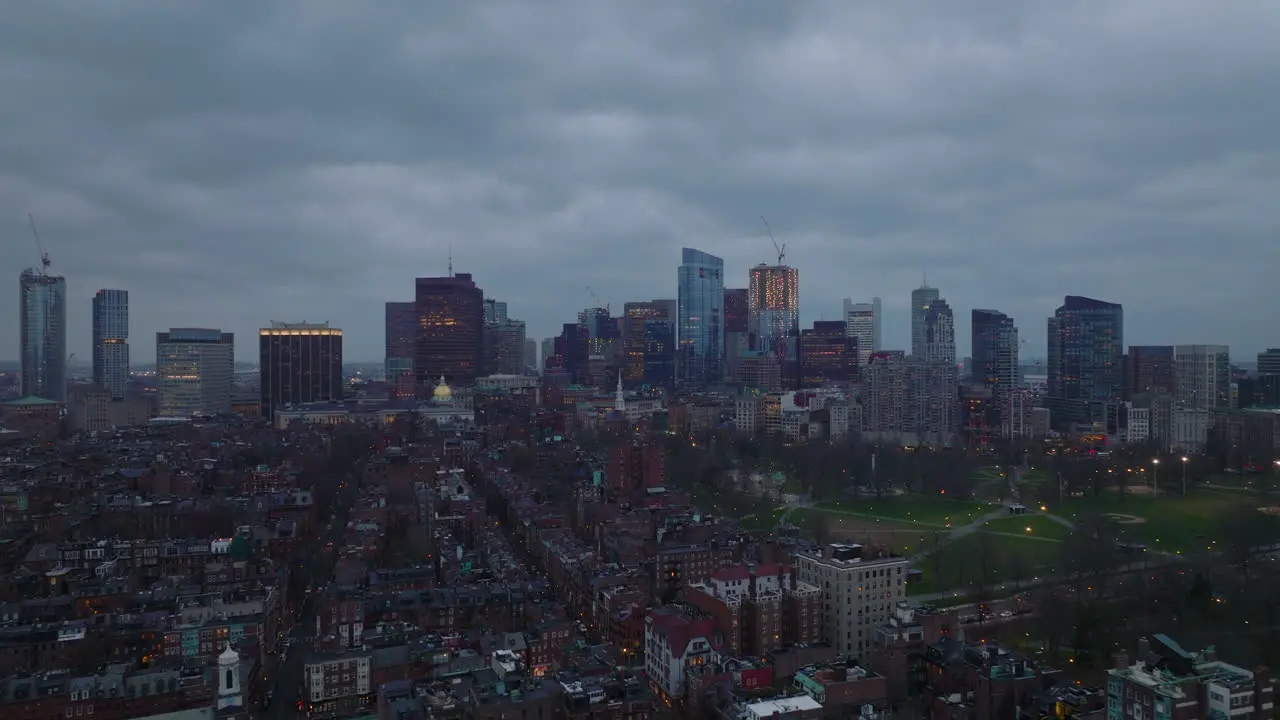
235, 162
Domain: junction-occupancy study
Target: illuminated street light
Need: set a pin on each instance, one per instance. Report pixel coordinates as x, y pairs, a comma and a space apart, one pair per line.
1155, 477
1184, 475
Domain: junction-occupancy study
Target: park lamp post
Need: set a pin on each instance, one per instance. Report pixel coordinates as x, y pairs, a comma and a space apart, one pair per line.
1155, 477
1184, 475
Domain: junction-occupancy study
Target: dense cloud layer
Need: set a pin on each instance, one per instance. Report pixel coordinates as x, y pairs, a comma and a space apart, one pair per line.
230, 163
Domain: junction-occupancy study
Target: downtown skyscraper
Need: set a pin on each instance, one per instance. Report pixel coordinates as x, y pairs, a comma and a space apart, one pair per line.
1086, 350
995, 351
700, 325
111, 342
449, 339
401, 325
921, 298
299, 363
862, 323
194, 369
773, 307
42, 300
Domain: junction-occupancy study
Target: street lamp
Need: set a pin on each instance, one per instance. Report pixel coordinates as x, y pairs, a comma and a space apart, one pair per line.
1184, 475
1155, 477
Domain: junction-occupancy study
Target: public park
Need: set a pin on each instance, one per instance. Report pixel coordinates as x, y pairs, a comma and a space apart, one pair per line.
1014, 531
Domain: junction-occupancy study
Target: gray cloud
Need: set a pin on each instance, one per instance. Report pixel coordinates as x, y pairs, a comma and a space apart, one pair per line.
233, 163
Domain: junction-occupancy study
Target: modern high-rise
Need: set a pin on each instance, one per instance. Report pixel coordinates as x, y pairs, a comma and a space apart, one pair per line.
921, 298
939, 333
1086, 348
636, 335
42, 303
995, 352
299, 363
1148, 368
504, 347
1269, 362
548, 350
862, 323
700, 325
737, 328
111, 342
401, 326
530, 355
494, 310
194, 369
1202, 375
603, 338
450, 334
827, 354
773, 305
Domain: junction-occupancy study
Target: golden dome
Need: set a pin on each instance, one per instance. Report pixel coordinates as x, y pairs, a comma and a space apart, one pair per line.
442, 393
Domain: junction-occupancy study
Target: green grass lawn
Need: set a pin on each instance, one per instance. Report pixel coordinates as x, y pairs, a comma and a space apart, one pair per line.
959, 566
911, 509
1032, 525
1170, 523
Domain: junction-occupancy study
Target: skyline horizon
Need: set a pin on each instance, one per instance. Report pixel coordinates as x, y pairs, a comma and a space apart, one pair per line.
1035, 342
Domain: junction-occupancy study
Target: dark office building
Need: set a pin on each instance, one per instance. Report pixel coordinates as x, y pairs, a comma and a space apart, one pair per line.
449, 340
995, 351
736, 310
635, 335
827, 354
401, 325
1086, 341
573, 349
299, 363
660, 352
1148, 368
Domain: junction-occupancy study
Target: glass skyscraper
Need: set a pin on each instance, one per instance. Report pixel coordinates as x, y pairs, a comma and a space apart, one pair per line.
1086, 350
700, 326
42, 303
995, 351
111, 341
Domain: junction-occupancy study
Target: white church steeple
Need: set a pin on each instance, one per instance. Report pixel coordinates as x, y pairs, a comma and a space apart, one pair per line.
620, 398
230, 694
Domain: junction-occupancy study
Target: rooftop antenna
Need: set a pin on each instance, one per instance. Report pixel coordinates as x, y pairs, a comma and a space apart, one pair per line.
44, 256
782, 251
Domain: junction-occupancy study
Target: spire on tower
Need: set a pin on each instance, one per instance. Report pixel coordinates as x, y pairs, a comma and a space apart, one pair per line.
620, 397
450, 259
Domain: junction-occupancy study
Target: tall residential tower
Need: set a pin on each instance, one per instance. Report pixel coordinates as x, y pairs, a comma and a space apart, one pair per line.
921, 298
42, 303
111, 341
700, 326
773, 299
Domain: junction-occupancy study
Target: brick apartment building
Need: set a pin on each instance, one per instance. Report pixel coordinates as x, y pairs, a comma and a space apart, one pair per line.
759, 608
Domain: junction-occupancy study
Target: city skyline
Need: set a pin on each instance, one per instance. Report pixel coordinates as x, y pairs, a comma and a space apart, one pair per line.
591, 158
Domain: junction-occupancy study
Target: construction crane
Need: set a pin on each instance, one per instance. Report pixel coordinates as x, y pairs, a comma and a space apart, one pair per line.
596, 299
44, 256
782, 251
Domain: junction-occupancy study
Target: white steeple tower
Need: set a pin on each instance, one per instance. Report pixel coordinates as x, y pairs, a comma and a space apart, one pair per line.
230, 694
620, 398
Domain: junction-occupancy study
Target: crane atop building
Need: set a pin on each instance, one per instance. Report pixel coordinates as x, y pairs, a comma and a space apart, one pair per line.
596, 299
782, 251
44, 256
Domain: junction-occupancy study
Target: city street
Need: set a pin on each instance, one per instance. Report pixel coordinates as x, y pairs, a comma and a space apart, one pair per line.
319, 571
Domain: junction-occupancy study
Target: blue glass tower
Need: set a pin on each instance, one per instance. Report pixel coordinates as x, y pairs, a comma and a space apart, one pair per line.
111, 341
700, 326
